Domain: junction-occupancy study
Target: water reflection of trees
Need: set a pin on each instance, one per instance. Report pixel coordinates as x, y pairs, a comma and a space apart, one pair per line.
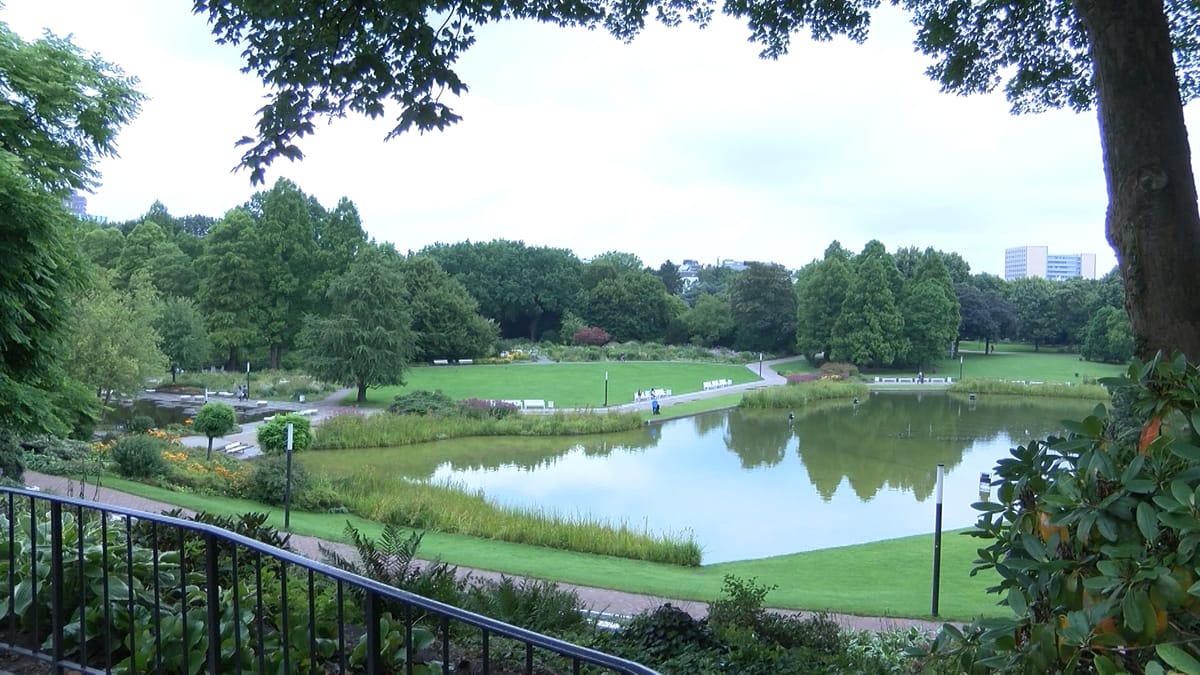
706, 423
892, 441
759, 439
461, 454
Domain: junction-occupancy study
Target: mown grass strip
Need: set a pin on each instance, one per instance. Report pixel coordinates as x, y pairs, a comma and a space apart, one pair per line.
884, 578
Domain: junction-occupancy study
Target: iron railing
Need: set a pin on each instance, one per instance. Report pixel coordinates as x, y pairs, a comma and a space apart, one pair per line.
104, 589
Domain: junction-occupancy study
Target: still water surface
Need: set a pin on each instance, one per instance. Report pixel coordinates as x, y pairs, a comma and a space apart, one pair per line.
750, 484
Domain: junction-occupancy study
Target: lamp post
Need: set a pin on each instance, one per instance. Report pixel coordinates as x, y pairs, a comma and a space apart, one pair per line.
960, 364
606, 389
247, 380
760, 359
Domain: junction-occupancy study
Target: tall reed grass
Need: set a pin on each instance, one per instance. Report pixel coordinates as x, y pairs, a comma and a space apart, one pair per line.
451, 508
802, 393
387, 430
1014, 388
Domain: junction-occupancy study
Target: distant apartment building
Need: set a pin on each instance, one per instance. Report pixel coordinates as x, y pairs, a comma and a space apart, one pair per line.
1037, 261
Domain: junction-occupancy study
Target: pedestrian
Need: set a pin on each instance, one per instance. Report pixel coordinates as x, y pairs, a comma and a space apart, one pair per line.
654, 406
920, 377
791, 416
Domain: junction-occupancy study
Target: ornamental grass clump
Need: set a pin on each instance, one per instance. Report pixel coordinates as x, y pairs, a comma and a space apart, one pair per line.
801, 394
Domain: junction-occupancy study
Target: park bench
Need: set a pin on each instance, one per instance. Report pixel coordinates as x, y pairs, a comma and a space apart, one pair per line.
441, 362
235, 448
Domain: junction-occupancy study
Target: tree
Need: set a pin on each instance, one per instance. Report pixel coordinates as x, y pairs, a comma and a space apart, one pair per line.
869, 326
821, 292
58, 122
285, 234
230, 280
272, 434
930, 310
113, 346
184, 338
1109, 337
985, 315
669, 273
214, 419
445, 318
762, 304
709, 323
632, 306
1136, 61
522, 289
1033, 298
367, 341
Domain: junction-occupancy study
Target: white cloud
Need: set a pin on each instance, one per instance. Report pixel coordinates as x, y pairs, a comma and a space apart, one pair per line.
683, 144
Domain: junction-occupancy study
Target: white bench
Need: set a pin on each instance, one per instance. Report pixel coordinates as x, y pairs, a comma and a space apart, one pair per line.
235, 448
533, 403
306, 413
441, 362
465, 362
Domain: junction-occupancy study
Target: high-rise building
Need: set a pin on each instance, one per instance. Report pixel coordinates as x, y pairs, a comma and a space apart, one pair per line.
1036, 261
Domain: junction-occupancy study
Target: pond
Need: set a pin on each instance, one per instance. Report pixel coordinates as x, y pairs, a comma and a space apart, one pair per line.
165, 412
750, 484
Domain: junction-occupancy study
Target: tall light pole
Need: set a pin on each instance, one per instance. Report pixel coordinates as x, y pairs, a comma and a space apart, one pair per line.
606, 389
247, 380
760, 357
960, 364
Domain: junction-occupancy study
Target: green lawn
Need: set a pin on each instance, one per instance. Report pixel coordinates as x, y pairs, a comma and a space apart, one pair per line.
1036, 367
796, 365
977, 346
569, 385
886, 578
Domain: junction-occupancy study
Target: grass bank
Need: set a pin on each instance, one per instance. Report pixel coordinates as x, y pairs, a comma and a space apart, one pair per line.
386, 430
569, 385
453, 509
1030, 366
799, 395
885, 578
1048, 389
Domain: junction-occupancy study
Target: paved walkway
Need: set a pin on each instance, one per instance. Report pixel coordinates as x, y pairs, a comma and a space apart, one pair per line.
597, 599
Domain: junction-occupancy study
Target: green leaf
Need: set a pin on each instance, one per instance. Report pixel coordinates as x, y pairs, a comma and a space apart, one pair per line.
1147, 521
1178, 659
1186, 450
1137, 610
1016, 601
1181, 492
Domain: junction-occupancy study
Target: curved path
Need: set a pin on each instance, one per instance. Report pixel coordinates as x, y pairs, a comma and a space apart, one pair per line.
596, 599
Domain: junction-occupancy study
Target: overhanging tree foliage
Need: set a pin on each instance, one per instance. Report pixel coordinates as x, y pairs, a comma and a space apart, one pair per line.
1136, 60
57, 123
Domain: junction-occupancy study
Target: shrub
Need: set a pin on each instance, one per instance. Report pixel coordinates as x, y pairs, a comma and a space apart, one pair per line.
272, 435
392, 560
1094, 539
269, 477
742, 607
537, 605
479, 409
665, 632
591, 335
140, 424
838, 369
140, 456
422, 402
12, 462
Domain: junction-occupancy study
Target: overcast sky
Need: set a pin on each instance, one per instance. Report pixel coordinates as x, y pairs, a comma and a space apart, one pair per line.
681, 145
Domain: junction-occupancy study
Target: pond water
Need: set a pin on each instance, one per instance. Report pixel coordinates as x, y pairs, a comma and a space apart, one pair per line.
120, 412
750, 484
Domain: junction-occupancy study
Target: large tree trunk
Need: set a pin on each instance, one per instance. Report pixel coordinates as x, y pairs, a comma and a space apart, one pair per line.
1152, 220
362, 393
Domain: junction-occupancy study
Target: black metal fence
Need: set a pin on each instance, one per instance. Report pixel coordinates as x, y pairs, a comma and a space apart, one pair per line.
102, 589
